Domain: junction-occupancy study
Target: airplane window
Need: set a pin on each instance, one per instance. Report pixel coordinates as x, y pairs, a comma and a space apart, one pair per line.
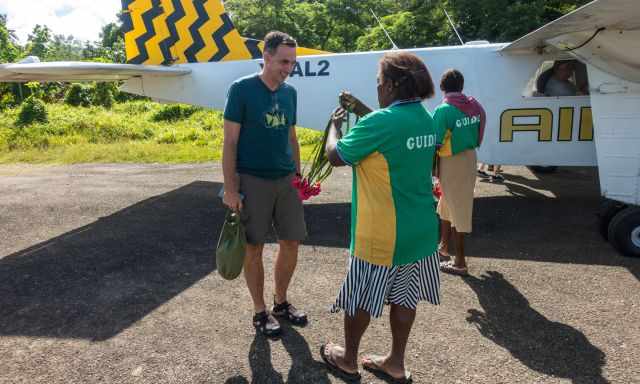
559, 78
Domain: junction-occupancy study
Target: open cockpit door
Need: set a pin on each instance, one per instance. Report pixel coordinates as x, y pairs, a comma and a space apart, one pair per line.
604, 34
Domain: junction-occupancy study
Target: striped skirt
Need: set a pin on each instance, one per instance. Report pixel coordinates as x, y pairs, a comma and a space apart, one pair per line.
369, 287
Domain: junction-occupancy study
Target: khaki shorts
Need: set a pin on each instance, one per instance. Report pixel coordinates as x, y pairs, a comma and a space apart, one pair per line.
270, 202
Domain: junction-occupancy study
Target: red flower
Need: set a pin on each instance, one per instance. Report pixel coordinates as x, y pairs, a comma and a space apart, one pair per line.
437, 190
305, 189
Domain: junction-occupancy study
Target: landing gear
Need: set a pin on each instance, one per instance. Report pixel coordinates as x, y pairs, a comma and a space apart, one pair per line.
608, 209
624, 231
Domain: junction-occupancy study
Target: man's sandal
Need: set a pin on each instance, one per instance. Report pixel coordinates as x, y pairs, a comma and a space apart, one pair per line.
288, 311
371, 364
266, 324
325, 353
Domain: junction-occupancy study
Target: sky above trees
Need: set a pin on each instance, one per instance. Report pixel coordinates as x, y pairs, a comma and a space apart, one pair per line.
83, 19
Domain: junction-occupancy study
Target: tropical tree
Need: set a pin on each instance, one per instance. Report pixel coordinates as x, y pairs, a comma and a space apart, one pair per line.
39, 41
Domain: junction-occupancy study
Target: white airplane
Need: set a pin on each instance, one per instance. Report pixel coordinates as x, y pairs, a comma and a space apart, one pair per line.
188, 51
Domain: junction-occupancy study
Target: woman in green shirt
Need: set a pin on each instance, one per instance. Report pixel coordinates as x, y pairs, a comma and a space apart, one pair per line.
394, 227
460, 122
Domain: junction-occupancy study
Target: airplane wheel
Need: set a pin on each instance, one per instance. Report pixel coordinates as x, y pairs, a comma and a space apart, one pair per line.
542, 169
608, 209
624, 231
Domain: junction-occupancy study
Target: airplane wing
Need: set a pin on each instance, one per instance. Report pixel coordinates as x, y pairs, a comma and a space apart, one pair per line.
603, 33
83, 71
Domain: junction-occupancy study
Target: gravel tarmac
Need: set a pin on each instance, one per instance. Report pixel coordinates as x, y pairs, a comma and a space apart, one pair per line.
107, 275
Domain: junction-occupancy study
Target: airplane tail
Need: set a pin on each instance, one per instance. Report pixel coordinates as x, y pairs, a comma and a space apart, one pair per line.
164, 32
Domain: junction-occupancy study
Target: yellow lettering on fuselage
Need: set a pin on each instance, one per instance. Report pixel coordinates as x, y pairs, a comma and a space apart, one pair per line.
544, 124
586, 124
541, 120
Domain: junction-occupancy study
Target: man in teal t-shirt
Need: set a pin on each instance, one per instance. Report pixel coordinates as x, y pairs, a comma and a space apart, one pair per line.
266, 116
260, 158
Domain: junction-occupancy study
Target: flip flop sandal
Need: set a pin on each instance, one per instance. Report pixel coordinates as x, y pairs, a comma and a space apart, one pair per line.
266, 324
333, 367
449, 267
289, 312
374, 368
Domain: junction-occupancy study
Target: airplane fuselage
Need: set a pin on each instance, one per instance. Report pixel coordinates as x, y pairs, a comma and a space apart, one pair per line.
520, 129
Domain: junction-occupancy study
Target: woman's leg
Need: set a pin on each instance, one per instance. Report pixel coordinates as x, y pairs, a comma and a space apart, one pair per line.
459, 260
401, 322
354, 327
393, 364
445, 236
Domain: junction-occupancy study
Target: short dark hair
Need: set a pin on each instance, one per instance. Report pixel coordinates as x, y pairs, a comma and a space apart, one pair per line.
274, 39
452, 81
409, 76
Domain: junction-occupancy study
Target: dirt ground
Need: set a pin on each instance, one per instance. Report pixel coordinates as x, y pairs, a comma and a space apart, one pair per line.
107, 275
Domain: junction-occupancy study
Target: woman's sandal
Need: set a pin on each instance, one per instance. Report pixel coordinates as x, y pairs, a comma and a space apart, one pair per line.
325, 353
369, 363
443, 256
450, 267
266, 324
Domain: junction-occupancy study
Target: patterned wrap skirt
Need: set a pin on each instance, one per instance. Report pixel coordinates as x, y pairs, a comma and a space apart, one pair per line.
369, 287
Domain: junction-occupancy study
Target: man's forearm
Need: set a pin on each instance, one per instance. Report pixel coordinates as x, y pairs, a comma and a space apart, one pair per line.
229, 168
295, 150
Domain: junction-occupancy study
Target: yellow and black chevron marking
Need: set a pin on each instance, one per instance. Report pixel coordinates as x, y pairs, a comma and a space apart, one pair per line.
185, 31
180, 31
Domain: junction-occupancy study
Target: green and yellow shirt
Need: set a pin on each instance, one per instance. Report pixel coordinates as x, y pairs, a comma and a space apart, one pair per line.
393, 218
456, 131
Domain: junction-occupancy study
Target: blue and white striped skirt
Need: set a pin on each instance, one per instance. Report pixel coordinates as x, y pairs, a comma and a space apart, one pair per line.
369, 287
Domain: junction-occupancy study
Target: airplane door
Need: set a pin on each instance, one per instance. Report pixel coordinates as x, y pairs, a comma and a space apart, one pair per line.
616, 114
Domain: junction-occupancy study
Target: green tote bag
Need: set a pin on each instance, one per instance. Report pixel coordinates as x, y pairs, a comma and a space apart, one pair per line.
231, 247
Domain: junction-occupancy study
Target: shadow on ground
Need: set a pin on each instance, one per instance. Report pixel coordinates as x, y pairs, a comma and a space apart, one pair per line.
516, 227
546, 346
95, 281
304, 369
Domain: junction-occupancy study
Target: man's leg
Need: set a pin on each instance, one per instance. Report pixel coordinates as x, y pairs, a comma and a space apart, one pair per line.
285, 265
254, 275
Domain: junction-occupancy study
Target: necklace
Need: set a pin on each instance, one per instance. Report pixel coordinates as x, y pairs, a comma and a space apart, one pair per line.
406, 101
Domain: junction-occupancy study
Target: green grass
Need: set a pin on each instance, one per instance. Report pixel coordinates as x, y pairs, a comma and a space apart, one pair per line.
140, 132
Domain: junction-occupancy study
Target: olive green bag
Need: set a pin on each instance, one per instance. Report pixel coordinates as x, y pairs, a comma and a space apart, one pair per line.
231, 247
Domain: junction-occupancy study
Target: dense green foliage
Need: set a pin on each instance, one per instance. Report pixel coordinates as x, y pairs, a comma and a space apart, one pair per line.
174, 112
96, 122
32, 111
332, 25
78, 95
341, 26
103, 95
129, 131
